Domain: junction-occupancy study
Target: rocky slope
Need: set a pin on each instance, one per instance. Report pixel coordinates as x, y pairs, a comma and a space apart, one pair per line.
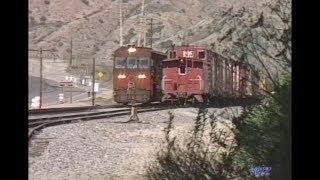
93, 25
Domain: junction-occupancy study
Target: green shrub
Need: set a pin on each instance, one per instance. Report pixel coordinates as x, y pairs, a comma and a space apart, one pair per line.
264, 136
193, 161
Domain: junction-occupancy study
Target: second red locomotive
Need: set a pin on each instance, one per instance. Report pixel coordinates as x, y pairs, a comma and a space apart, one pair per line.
192, 73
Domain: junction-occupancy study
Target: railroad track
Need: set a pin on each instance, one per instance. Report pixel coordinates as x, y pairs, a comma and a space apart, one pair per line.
39, 119
83, 108
70, 109
38, 122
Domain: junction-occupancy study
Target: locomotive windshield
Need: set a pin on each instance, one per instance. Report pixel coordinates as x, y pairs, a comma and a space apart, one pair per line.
138, 63
120, 62
132, 63
143, 63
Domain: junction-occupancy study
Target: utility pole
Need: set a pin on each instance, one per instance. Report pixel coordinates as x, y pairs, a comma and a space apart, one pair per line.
144, 26
144, 37
70, 62
121, 38
93, 79
151, 32
139, 38
40, 106
62, 91
71, 94
40, 72
142, 8
142, 30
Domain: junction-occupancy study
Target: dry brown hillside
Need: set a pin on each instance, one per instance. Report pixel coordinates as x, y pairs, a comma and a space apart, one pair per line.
93, 25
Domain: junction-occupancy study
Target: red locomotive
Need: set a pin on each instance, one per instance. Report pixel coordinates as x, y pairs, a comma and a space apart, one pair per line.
192, 73
137, 74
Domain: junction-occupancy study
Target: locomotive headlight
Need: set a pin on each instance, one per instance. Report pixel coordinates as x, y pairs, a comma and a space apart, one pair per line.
121, 76
141, 76
132, 49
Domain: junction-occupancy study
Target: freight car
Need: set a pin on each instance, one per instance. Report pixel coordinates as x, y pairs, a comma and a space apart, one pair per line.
193, 73
137, 75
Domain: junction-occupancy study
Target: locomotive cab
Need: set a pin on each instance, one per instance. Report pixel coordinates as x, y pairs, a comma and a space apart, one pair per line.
184, 71
135, 74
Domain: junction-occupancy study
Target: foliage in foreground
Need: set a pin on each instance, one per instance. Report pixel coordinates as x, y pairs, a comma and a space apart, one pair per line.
194, 160
263, 135
263, 138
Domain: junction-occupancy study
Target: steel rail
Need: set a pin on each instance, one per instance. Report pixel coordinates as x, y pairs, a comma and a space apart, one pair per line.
69, 109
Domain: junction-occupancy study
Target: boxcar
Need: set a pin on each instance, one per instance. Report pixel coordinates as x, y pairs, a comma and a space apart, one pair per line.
231, 78
137, 75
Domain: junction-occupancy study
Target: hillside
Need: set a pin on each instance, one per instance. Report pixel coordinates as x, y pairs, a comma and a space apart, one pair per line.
93, 25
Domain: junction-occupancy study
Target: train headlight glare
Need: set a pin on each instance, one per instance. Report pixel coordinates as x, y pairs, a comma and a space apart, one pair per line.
132, 49
121, 76
141, 76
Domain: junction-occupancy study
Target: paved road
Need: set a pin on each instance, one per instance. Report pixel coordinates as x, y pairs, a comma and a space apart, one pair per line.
51, 91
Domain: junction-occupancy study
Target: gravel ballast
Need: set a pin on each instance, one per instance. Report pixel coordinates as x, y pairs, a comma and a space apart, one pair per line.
106, 149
